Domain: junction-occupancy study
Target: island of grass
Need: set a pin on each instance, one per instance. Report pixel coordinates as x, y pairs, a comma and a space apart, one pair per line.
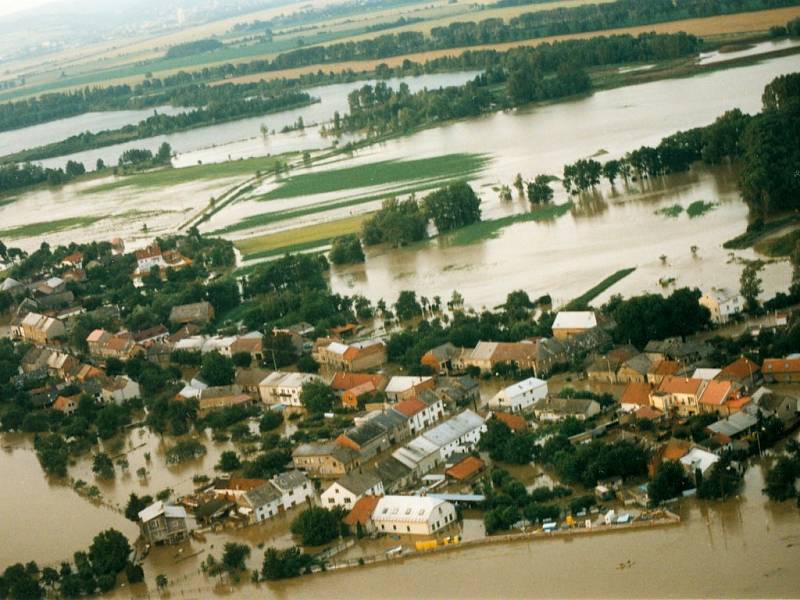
175, 176
582, 301
783, 245
378, 173
699, 207
46, 227
491, 228
757, 231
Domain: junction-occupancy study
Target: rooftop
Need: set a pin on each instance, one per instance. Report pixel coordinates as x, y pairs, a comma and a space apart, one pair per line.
362, 511
359, 482
412, 509
454, 428
566, 319
289, 480
636, 393
466, 468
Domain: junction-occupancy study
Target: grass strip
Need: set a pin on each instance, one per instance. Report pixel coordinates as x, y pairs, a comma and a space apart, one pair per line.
378, 173
582, 301
41, 228
780, 246
750, 237
491, 228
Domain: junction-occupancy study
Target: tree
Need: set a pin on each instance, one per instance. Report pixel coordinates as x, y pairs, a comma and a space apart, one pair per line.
242, 359
234, 556
317, 525
19, 582
307, 364
100, 164
407, 306
164, 154
453, 206
283, 564
539, 190
134, 573
223, 295
109, 552
750, 285
611, 170
396, 223
217, 369
668, 482
519, 183
136, 505
161, 581
346, 249
103, 466
505, 193
228, 461
269, 421
781, 479
53, 454
317, 397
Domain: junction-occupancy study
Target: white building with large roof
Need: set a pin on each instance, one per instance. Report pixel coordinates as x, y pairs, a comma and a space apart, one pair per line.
412, 515
519, 396
280, 387
573, 322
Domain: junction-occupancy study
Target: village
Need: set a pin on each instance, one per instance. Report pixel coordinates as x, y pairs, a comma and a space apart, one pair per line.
363, 459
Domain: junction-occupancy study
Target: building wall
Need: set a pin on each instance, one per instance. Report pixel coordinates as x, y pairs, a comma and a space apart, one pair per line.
298, 495
267, 511
442, 516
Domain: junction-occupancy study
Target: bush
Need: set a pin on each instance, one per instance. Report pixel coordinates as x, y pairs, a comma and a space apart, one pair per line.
317, 526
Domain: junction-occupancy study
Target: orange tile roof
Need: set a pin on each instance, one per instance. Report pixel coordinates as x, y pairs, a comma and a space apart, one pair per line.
96, 335
736, 403
781, 365
636, 393
716, 392
344, 381
362, 511
244, 485
62, 402
680, 385
675, 449
514, 422
410, 407
741, 368
465, 469
648, 412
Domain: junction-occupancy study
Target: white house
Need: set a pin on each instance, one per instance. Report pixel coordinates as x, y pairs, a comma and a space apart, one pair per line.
421, 412
284, 388
348, 489
458, 434
698, 459
519, 396
722, 303
569, 323
294, 488
406, 386
119, 389
260, 503
412, 515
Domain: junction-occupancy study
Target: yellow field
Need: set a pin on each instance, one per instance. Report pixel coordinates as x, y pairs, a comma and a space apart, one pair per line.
752, 22
292, 238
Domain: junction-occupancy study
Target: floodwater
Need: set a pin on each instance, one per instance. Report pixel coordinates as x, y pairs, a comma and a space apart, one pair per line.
752, 50
45, 133
206, 143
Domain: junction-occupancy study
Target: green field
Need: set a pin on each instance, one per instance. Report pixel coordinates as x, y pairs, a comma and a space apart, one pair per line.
169, 177
670, 211
699, 207
378, 173
582, 301
491, 228
44, 227
295, 240
782, 245
750, 237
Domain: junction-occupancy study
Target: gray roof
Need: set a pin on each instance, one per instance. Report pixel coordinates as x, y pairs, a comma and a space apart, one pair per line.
359, 482
391, 470
337, 451
453, 428
289, 480
445, 352
390, 419
566, 406
198, 311
735, 424
365, 433
772, 402
265, 494
639, 363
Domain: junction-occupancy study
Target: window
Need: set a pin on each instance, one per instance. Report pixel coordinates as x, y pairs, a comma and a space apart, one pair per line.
394, 527
331, 500
408, 528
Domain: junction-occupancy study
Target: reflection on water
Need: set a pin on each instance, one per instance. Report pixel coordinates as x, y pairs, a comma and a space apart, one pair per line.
760, 48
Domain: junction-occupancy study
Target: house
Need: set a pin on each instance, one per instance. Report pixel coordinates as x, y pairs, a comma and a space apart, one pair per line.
297, 332
634, 396
368, 439
346, 380
722, 303
634, 369
781, 370
558, 409
743, 372
412, 515
359, 396
394, 474
698, 459
648, 413
74, 260
356, 356
199, 313
66, 404
162, 523
233, 488
706, 373
350, 488
48, 287
515, 423
605, 368
214, 398
35, 361
213, 511
714, 396
674, 449
662, 368
571, 323
396, 424
687, 353
458, 391
519, 396
360, 516
678, 394
61, 364
41, 330
325, 459
465, 469
419, 456
735, 425
117, 390
280, 387
783, 407
401, 387
149, 336
294, 488
12, 287
149, 257
420, 413
261, 503
107, 345
540, 355
249, 379
251, 343
440, 359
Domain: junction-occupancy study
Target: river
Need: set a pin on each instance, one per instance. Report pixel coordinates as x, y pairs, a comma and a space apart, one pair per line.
214, 143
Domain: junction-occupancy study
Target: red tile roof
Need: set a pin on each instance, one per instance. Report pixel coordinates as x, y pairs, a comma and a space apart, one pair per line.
362, 511
514, 422
680, 385
781, 365
344, 381
636, 393
649, 413
675, 449
466, 468
741, 368
716, 392
665, 367
410, 407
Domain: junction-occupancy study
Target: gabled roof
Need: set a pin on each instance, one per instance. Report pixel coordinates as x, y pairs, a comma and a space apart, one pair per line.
444, 352
716, 393
454, 428
364, 433
466, 468
289, 480
514, 422
564, 406
680, 385
410, 407
362, 511
567, 319
636, 393
264, 494
412, 509
526, 385
343, 381
781, 365
158, 508
741, 368
639, 363
664, 367
358, 482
